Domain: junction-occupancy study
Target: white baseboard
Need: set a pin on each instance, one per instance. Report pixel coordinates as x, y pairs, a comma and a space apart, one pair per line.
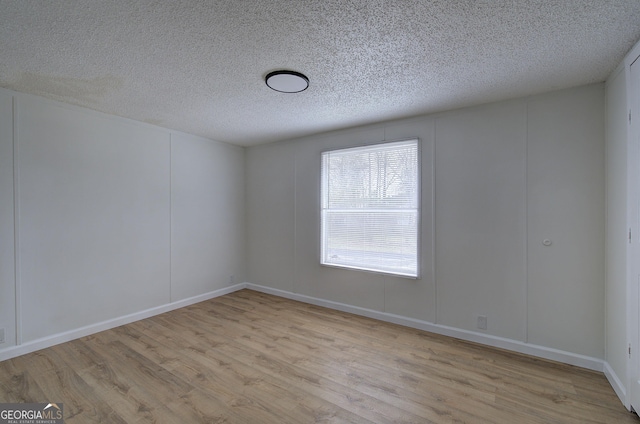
494, 341
499, 342
617, 385
32, 346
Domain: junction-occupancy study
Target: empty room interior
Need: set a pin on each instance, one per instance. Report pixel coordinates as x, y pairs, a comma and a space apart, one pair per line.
321, 211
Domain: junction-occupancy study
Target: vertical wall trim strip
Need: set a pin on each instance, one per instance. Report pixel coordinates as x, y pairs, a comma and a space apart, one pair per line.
526, 222
170, 217
294, 283
434, 218
16, 222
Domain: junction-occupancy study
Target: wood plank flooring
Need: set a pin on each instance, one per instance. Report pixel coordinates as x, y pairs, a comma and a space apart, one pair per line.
248, 357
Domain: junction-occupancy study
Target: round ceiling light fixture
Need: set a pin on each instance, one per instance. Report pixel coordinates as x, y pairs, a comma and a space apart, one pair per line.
287, 81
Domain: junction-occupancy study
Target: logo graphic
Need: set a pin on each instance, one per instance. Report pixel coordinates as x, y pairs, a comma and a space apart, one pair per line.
31, 413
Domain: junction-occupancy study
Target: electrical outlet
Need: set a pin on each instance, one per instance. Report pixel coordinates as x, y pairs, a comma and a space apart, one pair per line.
1, 335
482, 322
231, 279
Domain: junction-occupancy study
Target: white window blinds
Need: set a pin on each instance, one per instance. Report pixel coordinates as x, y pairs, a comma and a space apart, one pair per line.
370, 208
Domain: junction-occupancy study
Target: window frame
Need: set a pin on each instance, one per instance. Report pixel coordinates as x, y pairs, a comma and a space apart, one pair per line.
321, 237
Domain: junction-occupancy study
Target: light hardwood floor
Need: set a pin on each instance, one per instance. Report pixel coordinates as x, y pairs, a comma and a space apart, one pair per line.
248, 357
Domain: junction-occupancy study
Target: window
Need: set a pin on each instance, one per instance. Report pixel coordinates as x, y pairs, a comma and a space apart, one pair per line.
370, 208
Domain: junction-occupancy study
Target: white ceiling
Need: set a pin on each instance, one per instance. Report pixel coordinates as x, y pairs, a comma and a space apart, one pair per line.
199, 66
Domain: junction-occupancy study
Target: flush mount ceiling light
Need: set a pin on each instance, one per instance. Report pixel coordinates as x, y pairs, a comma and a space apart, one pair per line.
287, 81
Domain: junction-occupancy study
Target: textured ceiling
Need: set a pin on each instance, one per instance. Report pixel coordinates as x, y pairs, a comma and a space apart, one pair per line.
198, 66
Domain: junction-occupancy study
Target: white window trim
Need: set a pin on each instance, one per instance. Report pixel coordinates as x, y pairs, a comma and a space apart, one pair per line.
419, 211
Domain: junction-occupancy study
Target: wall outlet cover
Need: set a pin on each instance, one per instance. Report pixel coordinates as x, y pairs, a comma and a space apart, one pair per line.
482, 322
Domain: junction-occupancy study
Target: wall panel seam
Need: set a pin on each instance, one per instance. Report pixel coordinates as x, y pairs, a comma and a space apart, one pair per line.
16, 222
526, 222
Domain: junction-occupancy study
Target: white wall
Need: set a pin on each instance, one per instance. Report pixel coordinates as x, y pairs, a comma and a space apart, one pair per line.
283, 221
504, 177
616, 228
115, 218
481, 218
270, 189
207, 215
93, 219
566, 204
